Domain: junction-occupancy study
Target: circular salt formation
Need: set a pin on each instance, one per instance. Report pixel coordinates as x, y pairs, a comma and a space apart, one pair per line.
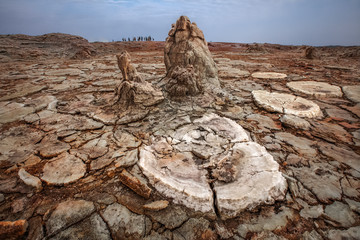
212, 149
179, 178
286, 103
269, 75
65, 168
316, 89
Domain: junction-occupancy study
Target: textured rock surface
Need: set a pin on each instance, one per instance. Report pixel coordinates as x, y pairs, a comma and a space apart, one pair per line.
36, 230
185, 47
126, 160
226, 72
302, 146
92, 228
266, 124
266, 222
67, 213
13, 230
124, 223
183, 81
51, 147
171, 217
50, 121
11, 111
340, 114
316, 89
342, 155
330, 132
17, 144
138, 93
65, 168
125, 140
311, 211
341, 214
25, 90
286, 103
351, 233
194, 229
135, 184
318, 175
352, 92
294, 121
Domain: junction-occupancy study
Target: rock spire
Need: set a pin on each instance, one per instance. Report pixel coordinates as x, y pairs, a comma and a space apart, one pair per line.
186, 52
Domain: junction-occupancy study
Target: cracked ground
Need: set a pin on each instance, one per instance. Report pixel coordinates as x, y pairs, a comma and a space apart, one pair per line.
71, 171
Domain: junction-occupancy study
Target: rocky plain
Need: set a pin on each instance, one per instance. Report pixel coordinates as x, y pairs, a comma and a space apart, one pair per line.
181, 139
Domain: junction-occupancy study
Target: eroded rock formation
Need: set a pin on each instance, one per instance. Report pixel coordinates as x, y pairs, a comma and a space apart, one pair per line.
310, 52
84, 53
183, 82
133, 90
186, 48
127, 69
255, 48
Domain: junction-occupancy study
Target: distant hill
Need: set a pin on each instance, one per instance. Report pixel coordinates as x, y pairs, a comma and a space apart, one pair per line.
66, 46
52, 45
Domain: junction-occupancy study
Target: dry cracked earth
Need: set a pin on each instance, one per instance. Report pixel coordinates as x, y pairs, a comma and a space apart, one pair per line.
72, 168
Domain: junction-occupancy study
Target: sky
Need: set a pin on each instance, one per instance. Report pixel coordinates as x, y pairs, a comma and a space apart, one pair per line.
290, 22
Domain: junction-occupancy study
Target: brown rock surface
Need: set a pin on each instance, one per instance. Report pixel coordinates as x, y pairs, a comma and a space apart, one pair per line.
135, 184
11, 112
51, 45
67, 213
330, 132
51, 147
57, 94
157, 205
17, 144
341, 154
13, 230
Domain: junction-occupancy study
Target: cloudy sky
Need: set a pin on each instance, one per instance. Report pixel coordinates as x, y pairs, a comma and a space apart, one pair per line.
296, 22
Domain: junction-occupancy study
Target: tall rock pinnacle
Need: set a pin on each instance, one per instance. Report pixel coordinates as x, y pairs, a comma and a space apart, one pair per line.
186, 52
